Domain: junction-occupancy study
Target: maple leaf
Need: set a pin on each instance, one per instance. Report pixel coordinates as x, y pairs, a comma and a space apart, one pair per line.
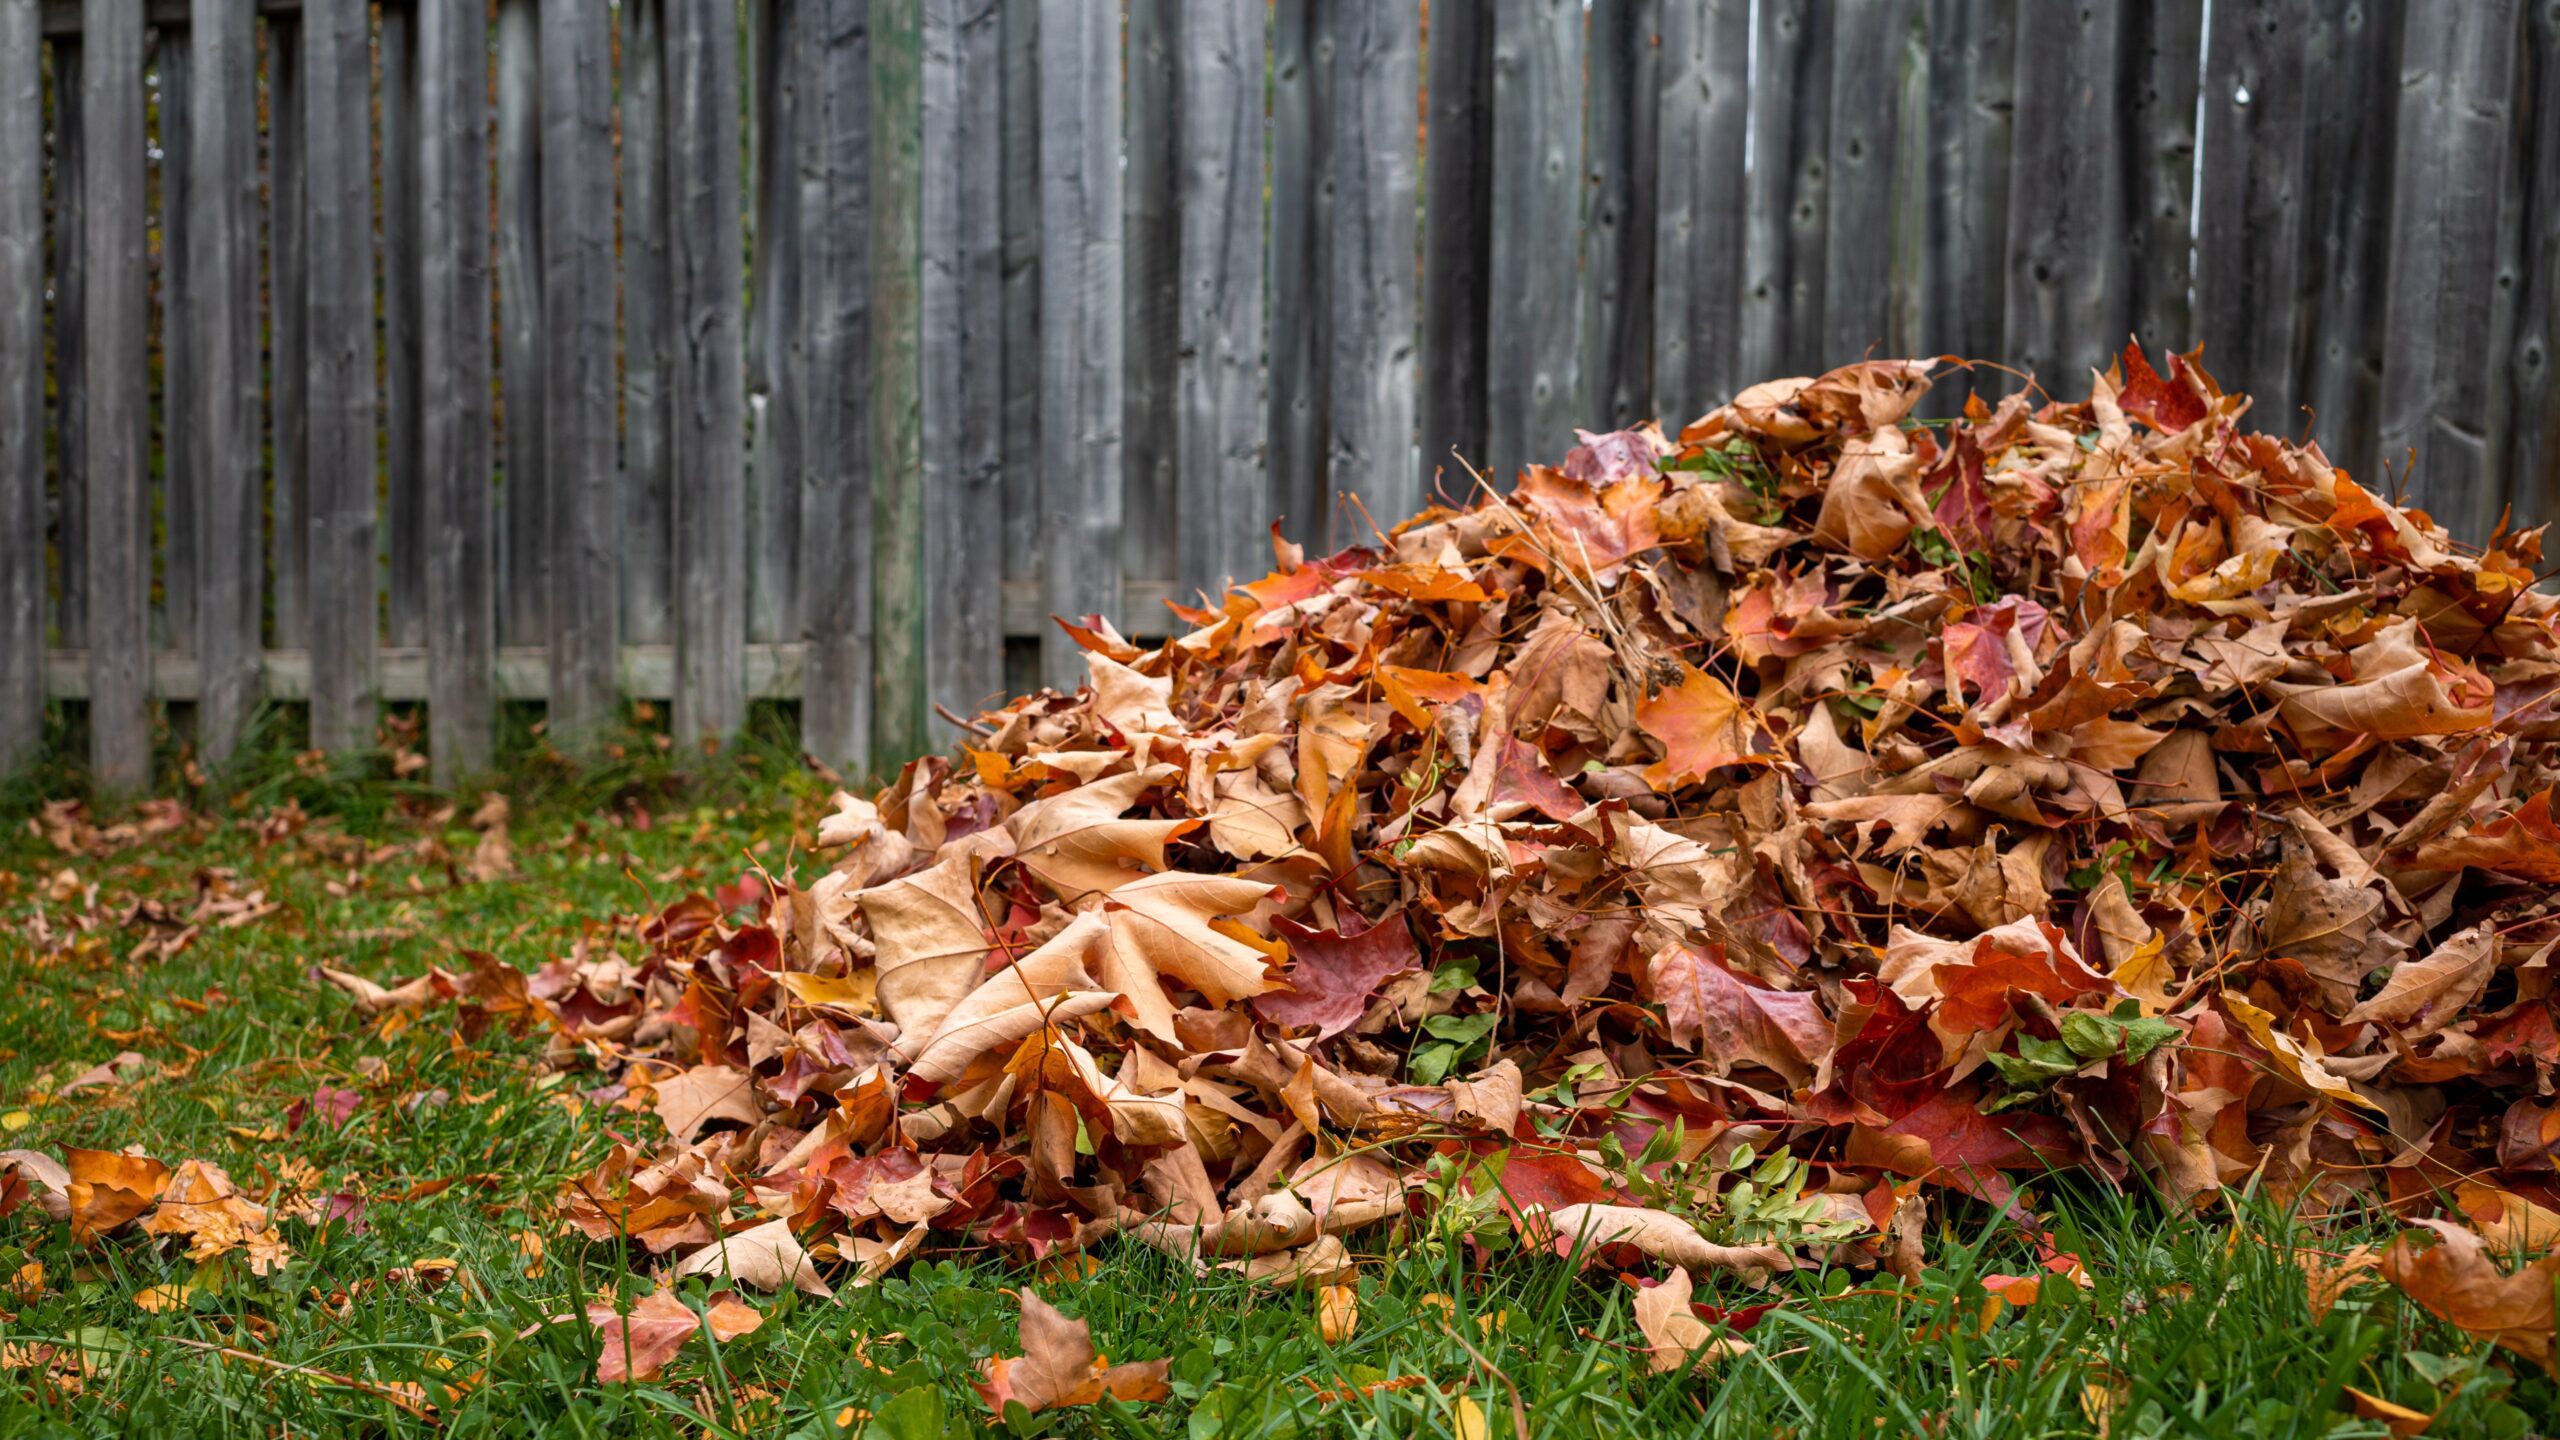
1058, 1367
1702, 725
2459, 1283
639, 1342
107, 1188
767, 1256
1674, 1335
1733, 1020
930, 940
1333, 973
1077, 842
694, 1098
1170, 924
2525, 843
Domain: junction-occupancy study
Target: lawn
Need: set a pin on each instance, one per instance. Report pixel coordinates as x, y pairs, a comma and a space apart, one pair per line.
438, 1292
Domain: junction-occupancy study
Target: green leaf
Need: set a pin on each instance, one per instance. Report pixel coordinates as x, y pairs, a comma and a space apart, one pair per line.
909, 1415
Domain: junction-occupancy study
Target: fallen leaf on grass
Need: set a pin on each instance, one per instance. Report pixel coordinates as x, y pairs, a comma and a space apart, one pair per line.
2459, 1282
1058, 1367
639, 1343
1677, 1337
1337, 1312
768, 1257
108, 1188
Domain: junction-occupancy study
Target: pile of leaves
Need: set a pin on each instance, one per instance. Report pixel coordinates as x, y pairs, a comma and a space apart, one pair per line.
1708, 846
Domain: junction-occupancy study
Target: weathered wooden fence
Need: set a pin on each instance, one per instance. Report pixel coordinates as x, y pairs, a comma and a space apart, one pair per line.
460, 350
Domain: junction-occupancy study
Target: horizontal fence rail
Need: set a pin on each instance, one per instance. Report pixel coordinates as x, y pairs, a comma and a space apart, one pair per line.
451, 352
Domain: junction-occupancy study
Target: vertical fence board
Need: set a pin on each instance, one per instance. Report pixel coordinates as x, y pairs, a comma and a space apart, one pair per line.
1369, 452
1965, 233
455, 431
70, 334
776, 329
2349, 145
2248, 225
1080, 319
1301, 202
21, 383
577, 334
647, 606
706, 259
898, 705
2160, 118
963, 359
288, 339
2066, 296
113, 320
2456, 89
1858, 320
1618, 260
835, 705
1788, 205
1698, 251
223, 319
1151, 257
404, 512
339, 445
1018, 203
1457, 245
527, 585
169, 52
1223, 501
1533, 388
2532, 379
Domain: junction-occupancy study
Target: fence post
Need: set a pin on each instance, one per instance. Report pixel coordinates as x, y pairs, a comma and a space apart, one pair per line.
1697, 268
1222, 499
1860, 316
1080, 319
2161, 118
289, 365
577, 333
1788, 209
404, 516
1457, 246
21, 384
1151, 271
1301, 197
2248, 228
898, 711
524, 493
453, 368
223, 300
1965, 234
2351, 145
706, 255
113, 324
646, 603
1533, 385
835, 537
169, 53
2065, 307
337, 74
1369, 454
1618, 246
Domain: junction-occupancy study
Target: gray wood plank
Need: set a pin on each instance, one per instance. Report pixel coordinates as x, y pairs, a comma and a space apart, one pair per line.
1965, 232
1081, 373
1301, 238
1151, 264
1860, 315
288, 342
345, 578
577, 332
1224, 503
22, 528
777, 329
62, 18
1457, 246
2066, 301
1698, 247
2160, 118
1533, 382
1018, 87
2350, 144
70, 333
222, 304
1622, 113
706, 260
1789, 205
113, 320
2531, 379
835, 498
2249, 238
404, 498
963, 359
2456, 98
647, 603
455, 434
898, 706
1369, 460
170, 58
525, 495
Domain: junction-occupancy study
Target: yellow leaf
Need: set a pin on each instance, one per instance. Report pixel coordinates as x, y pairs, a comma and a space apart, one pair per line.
858, 993
1466, 1420
2398, 1419
17, 1120
28, 1283
1337, 1312
157, 1298
2292, 1060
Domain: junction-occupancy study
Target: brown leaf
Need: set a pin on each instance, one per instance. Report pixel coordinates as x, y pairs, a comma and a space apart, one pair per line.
1676, 1337
695, 1098
767, 1256
639, 1343
2458, 1282
2424, 996
931, 942
1058, 1367
108, 1188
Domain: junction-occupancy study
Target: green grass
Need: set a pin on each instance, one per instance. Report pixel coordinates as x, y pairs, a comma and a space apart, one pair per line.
2189, 1327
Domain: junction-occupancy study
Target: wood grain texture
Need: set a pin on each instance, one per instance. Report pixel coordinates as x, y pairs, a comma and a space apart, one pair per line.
1080, 320
2532, 379
2065, 302
706, 259
1861, 304
898, 704
404, 497
456, 439
70, 334
577, 337
525, 589
835, 497
1301, 238
2160, 120
2456, 97
22, 581
647, 601
288, 341
113, 321
2249, 300
176, 437
777, 318
962, 359
1789, 204
338, 307
1018, 215
2350, 145
1369, 461
222, 305
1533, 381
1457, 243
1151, 278
1698, 246
1965, 230
1223, 501
1622, 114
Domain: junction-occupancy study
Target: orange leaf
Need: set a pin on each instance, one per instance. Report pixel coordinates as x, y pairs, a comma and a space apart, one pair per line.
1702, 725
